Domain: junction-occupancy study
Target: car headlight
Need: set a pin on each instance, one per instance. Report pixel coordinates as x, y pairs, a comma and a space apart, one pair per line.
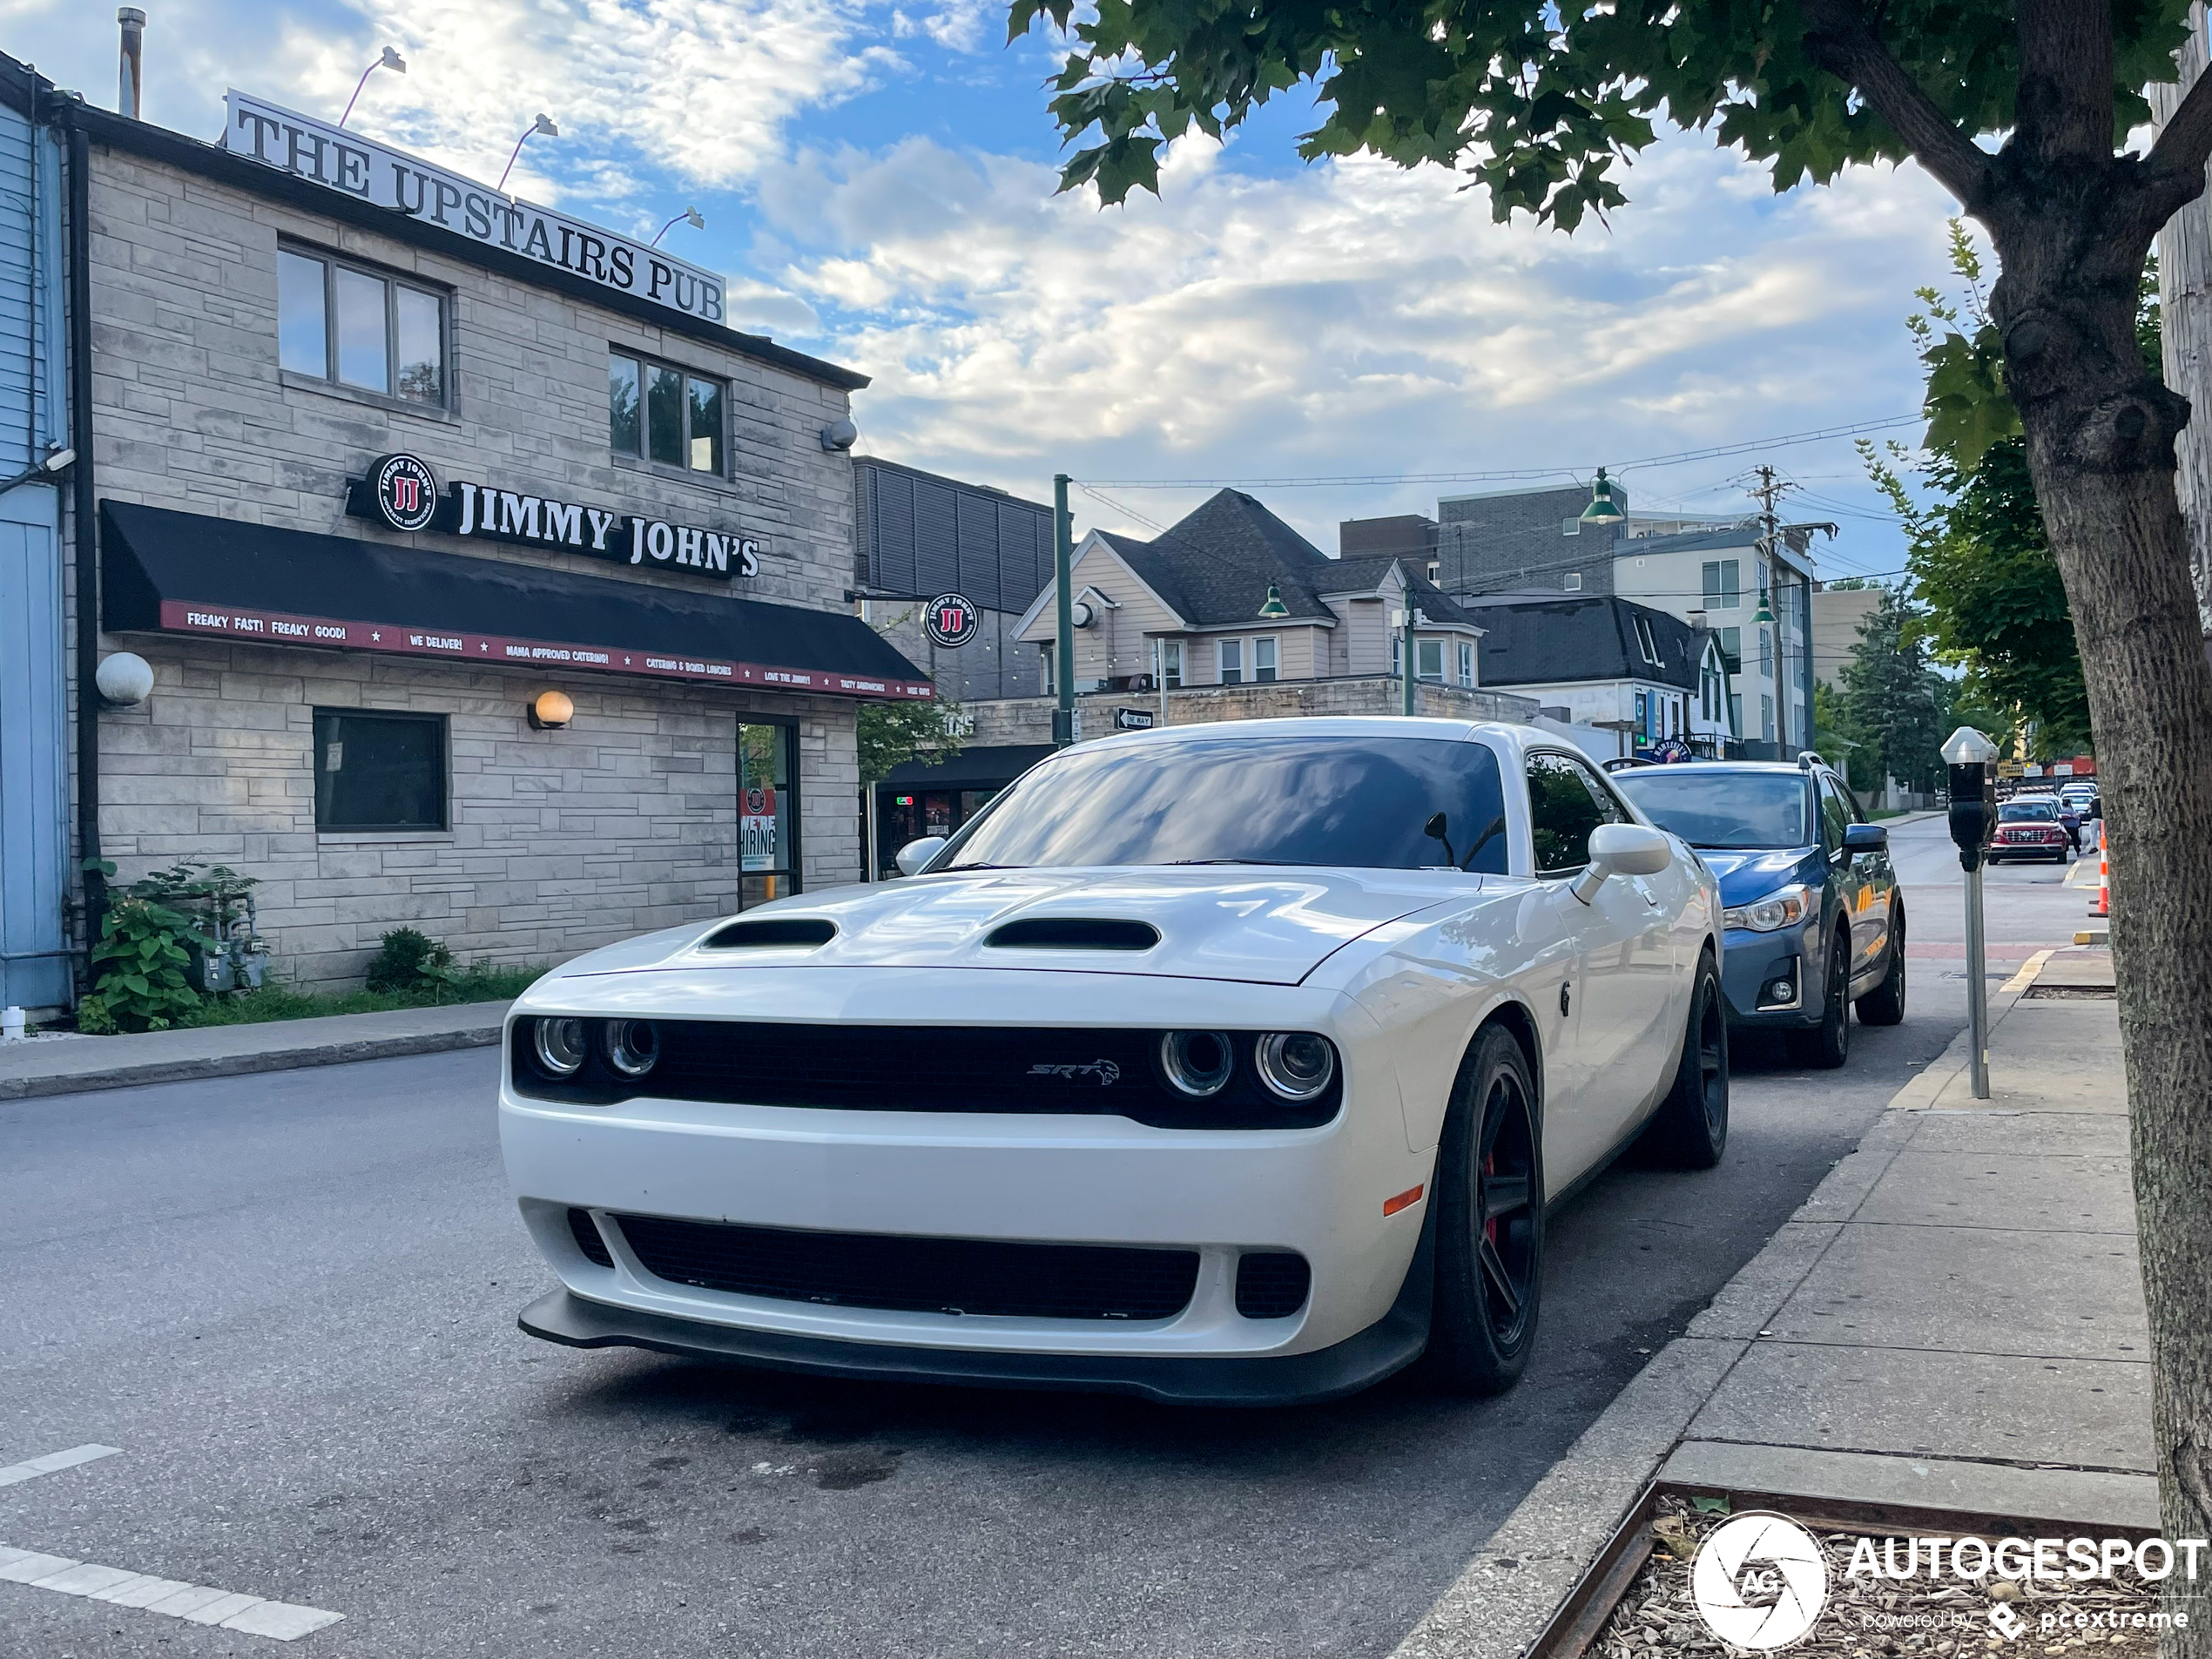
632, 1046
1295, 1064
1198, 1062
1783, 907
559, 1046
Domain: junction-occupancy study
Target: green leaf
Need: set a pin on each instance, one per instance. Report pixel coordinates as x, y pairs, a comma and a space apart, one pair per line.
1709, 1505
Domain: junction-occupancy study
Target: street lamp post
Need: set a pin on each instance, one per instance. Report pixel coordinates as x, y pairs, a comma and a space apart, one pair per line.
1973, 820
1063, 715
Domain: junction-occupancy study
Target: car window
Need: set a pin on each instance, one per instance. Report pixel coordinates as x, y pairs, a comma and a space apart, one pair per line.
1566, 802
1355, 802
2025, 812
1722, 808
1835, 817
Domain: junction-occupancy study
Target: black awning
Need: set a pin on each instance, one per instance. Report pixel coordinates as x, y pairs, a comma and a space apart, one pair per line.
970, 769
186, 573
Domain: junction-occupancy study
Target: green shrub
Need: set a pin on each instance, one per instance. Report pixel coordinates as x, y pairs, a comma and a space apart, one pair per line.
138, 966
411, 962
93, 1019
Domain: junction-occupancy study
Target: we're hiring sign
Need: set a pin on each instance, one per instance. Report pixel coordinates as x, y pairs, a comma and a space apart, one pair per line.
308, 149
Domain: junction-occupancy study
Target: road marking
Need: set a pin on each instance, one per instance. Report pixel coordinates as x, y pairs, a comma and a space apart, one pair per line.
2028, 970
53, 1460
196, 1603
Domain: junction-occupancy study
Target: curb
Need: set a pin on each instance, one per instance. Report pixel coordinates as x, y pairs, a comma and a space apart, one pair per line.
1507, 1594
323, 1054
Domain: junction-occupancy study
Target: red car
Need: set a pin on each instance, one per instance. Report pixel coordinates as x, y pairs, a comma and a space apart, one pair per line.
2029, 827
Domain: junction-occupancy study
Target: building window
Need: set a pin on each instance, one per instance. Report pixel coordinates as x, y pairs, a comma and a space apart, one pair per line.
1570, 527
1571, 582
1766, 718
662, 415
1735, 713
1435, 566
380, 771
1467, 663
1396, 654
1732, 649
1766, 653
357, 328
1232, 662
1263, 661
1428, 660
1644, 717
767, 813
1723, 585
1644, 642
1171, 663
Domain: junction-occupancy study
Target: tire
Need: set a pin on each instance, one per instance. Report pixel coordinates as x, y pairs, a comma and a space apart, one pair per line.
1827, 1045
1489, 1224
1690, 1130
1885, 1004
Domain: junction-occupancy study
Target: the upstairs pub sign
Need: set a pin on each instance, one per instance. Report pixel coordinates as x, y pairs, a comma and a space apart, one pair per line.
374, 172
402, 492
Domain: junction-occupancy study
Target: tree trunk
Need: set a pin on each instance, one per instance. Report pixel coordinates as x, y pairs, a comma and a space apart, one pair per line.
2185, 310
2101, 438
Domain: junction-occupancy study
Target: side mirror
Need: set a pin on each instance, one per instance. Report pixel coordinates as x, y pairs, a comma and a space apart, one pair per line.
1622, 849
1865, 838
915, 855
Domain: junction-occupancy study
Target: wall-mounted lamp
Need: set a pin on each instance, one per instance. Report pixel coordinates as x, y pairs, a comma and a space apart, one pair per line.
391, 60
551, 711
125, 679
840, 435
691, 216
544, 124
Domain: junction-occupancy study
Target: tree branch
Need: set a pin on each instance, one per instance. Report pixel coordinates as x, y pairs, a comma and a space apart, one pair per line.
2172, 174
1842, 43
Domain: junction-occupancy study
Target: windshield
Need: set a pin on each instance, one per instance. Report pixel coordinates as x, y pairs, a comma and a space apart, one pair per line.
2025, 812
1732, 810
1363, 803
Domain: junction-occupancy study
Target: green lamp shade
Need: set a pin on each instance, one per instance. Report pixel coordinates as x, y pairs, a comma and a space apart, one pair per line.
1603, 510
1274, 607
1762, 616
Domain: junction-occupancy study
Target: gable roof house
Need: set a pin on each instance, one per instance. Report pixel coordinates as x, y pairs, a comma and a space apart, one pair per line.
1610, 663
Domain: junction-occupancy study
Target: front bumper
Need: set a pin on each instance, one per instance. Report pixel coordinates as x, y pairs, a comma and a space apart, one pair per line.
1751, 963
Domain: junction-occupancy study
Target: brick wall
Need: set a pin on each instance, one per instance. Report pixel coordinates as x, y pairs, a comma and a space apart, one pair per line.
560, 841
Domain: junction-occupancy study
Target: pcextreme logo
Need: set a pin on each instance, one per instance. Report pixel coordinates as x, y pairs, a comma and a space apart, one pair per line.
1759, 1581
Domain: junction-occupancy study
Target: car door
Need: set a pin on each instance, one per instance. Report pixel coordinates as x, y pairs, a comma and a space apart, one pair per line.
1867, 881
1622, 971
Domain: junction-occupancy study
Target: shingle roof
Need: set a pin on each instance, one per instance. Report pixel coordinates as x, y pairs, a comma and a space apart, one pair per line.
1544, 641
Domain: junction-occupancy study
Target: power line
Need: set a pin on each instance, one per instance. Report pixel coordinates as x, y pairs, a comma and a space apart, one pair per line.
1365, 481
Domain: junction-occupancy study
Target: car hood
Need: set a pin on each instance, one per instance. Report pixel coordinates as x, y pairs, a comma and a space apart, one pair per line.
1268, 926
1747, 876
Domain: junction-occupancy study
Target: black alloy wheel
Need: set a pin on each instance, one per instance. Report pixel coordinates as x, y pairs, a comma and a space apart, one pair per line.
1885, 1004
1489, 1224
1827, 1045
1690, 1130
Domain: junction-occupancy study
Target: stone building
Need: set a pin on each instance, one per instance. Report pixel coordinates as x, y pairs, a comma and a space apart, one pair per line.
490, 582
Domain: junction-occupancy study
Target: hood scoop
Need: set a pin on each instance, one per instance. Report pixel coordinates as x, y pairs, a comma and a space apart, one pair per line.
1073, 933
772, 933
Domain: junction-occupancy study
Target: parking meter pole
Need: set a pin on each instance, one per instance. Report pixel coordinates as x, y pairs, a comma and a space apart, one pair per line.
1974, 823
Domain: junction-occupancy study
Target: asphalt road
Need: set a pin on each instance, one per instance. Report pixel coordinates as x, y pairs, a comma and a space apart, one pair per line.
289, 1299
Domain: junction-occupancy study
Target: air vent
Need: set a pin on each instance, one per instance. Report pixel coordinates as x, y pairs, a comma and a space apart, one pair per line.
773, 932
585, 1232
1074, 933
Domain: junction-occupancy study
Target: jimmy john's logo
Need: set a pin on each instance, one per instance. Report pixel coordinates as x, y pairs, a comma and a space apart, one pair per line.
401, 492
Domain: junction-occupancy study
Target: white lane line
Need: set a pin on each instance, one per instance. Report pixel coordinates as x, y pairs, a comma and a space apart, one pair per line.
232, 1610
36, 1467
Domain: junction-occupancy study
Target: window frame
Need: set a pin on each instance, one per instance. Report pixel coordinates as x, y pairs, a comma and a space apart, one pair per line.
1421, 647
1171, 665
1571, 582
1269, 673
393, 282
642, 456
1601, 794
317, 749
1466, 662
1225, 671
795, 866
1645, 643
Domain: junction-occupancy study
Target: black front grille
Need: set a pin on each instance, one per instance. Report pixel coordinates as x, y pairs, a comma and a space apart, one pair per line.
927, 1068
917, 1275
585, 1232
1271, 1285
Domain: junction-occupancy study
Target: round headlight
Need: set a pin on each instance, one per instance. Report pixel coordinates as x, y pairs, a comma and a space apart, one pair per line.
559, 1045
1197, 1063
632, 1046
1295, 1064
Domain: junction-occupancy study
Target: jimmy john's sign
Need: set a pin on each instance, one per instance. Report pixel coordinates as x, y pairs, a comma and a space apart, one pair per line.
401, 492
373, 173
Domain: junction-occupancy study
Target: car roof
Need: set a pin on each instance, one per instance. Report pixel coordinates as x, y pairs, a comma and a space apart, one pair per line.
1510, 736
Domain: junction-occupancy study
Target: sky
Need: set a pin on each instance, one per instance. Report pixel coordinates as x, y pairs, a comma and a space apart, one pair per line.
879, 185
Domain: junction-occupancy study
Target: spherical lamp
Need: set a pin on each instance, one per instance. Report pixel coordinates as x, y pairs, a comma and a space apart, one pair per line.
551, 711
125, 679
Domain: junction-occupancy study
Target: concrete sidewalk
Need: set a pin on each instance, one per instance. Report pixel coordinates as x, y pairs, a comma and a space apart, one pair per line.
1953, 1321
74, 1064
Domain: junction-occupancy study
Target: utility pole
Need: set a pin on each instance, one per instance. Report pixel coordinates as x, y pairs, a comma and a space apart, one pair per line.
1769, 491
1063, 717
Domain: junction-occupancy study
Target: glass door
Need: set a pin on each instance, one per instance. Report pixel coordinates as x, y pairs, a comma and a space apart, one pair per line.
767, 813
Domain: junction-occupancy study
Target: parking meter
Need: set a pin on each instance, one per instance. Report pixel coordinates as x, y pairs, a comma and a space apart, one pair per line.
1973, 793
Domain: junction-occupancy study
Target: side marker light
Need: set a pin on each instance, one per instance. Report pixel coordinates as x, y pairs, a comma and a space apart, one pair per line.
1404, 1200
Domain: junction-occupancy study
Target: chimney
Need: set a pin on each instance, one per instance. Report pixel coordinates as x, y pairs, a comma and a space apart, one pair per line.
130, 83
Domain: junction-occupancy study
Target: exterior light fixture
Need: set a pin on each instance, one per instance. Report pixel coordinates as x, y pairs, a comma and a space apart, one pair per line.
544, 124
1274, 607
124, 679
391, 60
1764, 615
551, 711
691, 216
1603, 510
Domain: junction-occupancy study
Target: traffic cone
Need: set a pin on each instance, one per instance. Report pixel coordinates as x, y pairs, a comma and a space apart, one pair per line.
2103, 905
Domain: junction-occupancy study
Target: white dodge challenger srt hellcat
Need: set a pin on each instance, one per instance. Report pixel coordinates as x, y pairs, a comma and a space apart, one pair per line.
1231, 1064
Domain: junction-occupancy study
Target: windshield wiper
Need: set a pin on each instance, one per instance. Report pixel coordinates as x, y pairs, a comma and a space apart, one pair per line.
949, 868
